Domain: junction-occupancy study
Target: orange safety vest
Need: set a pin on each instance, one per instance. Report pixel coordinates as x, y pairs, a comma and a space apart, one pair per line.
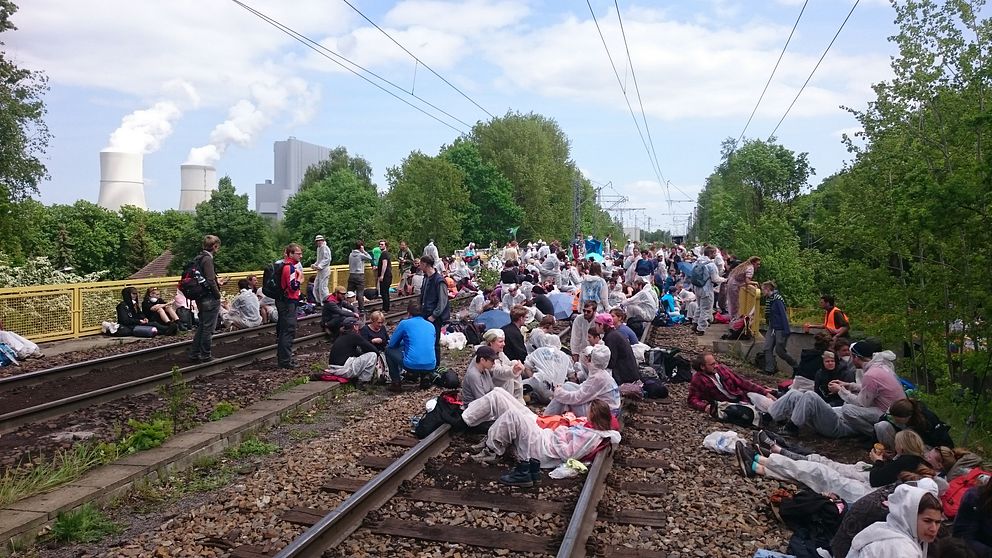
829, 319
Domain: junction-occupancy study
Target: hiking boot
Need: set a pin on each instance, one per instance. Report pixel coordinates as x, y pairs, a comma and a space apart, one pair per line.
745, 459
396, 387
426, 381
481, 445
487, 456
535, 470
518, 476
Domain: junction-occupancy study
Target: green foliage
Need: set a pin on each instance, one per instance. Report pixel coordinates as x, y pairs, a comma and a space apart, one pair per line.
427, 199
223, 409
290, 384
339, 206
487, 277
492, 209
178, 401
84, 524
339, 160
146, 435
532, 152
245, 238
249, 447
65, 466
39, 271
23, 133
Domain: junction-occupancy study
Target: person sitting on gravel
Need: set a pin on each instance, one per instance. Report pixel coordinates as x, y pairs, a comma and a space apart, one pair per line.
974, 520
623, 363
642, 307
879, 389
245, 309
548, 367
22, 347
915, 516
620, 321
479, 375
829, 371
580, 329
156, 309
515, 347
535, 447
713, 382
375, 331
349, 343
599, 386
412, 348
820, 474
334, 310
914, 415
506, 373
544, 335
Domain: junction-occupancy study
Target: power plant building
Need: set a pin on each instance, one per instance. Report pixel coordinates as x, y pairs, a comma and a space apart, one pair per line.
121, 180
292, 159
196, 184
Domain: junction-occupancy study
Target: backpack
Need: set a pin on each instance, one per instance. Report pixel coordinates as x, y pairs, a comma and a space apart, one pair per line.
741, 414
272, 280
193, 284
699, 275
447, 410
957, 488
818, 514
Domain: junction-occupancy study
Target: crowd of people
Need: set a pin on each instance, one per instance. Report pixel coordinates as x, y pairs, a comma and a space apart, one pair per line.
551, 401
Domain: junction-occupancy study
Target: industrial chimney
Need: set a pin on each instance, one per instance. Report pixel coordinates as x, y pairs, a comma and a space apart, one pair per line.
196, 183
121, 180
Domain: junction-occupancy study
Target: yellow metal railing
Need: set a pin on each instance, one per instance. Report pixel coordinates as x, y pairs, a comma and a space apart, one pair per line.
54, 312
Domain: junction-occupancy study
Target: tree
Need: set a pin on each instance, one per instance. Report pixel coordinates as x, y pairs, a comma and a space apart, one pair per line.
338, 160
768, 169
138, 250
493, 209
427, 199
532, 152
244, 234
63, 249
24, 135
340, 206
94, 234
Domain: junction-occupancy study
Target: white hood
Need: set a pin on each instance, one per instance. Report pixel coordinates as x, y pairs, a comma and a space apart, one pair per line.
896, 537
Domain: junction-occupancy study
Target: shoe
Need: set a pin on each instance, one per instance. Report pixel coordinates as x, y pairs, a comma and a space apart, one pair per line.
487, 456
762, 451
765, 439
535, 470
518, 476
699, 333
791, 454
290, 365
745, 458
481, 445
201, 360
396, 387
790, 429
426, 381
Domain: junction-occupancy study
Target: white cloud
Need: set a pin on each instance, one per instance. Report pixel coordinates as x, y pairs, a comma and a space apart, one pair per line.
464, 18
684, 69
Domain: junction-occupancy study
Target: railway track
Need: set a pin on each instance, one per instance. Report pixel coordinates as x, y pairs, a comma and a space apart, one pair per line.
46, 394
560, 518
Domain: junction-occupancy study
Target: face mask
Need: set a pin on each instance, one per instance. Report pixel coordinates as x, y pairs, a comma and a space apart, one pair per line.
846, 358
153, 298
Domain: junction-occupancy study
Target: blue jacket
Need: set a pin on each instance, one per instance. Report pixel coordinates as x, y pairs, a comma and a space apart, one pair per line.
775, 313
416, 336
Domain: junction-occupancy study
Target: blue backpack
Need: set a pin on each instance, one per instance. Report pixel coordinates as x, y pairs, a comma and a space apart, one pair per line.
700, 275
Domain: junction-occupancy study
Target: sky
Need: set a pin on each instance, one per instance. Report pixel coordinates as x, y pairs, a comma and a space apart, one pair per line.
207, 81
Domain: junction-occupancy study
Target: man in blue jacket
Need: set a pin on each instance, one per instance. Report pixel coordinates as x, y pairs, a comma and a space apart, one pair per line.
777, 336
411, 347
434, 302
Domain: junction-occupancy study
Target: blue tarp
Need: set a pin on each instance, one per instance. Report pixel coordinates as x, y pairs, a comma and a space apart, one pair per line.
563, 305
594, 246
595, 256
493, 319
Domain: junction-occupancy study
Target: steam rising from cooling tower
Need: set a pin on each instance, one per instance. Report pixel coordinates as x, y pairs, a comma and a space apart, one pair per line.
248, 117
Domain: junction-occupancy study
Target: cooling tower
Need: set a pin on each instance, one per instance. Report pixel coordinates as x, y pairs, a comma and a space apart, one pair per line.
196, 183
121, 181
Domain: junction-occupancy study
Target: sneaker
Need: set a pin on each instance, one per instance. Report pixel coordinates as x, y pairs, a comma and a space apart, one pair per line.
290, 365
765, 439
488, 456
745, 458
481, 445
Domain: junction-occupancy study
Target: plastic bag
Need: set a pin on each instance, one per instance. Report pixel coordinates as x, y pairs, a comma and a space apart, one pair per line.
454, 341
569, 469
721, 442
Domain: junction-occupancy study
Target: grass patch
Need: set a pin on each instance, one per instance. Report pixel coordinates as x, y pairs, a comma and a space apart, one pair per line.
65, 466
293, 383
146, 435
222, 409
83, 525
249, 447
300, 435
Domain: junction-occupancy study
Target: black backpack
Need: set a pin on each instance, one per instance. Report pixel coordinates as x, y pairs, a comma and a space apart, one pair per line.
272, 280
448, 410
193, 284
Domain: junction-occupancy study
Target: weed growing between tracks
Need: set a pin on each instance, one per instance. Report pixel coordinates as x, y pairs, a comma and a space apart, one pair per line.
85, 524
251, 446
222, 409
178, 397
292, 383
66, 466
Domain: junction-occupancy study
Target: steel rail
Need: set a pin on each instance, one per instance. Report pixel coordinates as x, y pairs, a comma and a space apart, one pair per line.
583, 519
347, 517
79, 368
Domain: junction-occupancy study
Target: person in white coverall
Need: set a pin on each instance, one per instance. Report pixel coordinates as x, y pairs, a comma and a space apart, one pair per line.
599, 386
323, 267
914, 519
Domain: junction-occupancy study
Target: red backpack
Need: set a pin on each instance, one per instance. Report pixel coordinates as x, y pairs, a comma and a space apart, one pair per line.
957, 488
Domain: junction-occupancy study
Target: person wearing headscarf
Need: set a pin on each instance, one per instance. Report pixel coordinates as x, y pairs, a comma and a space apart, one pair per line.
506, 373
600, 385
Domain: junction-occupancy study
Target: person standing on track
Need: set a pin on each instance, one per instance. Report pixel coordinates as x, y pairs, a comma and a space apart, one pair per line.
292, 278
434, 302
384, 272
356, 273
323, 267
208, 305
431, 250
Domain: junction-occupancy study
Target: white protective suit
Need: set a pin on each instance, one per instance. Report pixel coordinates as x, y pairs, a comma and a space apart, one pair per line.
245, 309
643, 305
22, 347
431, 250
820, 474
896, 537
364, 368
579, 335
540, 338
599, 385
516, 426
549, 268
323, 266
551, 367
595, 288
475, 307
511, 299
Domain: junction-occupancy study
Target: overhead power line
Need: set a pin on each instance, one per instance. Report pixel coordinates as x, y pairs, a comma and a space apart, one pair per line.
837, 34
421, 62
767, 83
331, 55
